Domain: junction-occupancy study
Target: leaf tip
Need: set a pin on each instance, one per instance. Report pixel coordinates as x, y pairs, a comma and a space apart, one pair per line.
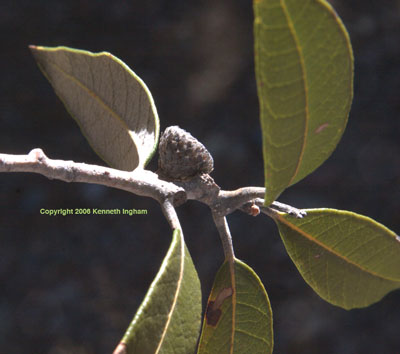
35, 47
120, 349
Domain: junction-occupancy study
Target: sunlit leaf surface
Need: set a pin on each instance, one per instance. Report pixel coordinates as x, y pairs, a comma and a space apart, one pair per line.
169, 318
110, 103
304, 71
348, 259
238, 318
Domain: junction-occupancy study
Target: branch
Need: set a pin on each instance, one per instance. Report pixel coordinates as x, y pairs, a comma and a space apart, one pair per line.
140, 182
149, 184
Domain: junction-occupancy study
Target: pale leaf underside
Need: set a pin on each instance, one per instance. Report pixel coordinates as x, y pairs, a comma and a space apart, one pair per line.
110, 103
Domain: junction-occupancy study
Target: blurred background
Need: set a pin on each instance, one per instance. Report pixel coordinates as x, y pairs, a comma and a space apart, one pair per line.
72, 284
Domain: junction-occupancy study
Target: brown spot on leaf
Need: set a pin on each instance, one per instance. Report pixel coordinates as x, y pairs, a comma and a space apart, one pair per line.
213, 312
212, 315
321, 128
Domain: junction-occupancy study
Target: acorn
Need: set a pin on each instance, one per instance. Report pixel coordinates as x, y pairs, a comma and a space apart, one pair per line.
182, 156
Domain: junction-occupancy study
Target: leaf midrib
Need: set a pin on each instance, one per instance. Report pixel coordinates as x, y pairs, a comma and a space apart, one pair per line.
304, 76
174, 302
233, 284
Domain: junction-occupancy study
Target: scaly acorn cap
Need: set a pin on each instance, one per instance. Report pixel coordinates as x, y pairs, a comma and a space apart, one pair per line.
182, 156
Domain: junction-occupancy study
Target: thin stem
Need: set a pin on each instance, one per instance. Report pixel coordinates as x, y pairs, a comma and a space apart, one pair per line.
270, 212
171, 215
226, 238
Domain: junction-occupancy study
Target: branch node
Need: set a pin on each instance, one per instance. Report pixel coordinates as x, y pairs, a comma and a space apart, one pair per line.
251, 208
179, 198
254, 210
38, 155
70, 174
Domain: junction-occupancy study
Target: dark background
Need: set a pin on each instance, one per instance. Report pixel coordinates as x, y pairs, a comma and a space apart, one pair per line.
72, 284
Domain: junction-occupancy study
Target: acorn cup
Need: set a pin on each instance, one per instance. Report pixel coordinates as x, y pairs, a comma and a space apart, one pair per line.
182, 156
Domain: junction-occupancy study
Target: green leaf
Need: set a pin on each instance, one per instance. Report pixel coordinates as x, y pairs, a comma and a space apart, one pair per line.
169, 318
304, 72
348, 259
238, 318
110, 103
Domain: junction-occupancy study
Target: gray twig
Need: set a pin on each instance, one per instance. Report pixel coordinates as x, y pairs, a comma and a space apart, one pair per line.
170, 213
147, 183
225, 235
140, 182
